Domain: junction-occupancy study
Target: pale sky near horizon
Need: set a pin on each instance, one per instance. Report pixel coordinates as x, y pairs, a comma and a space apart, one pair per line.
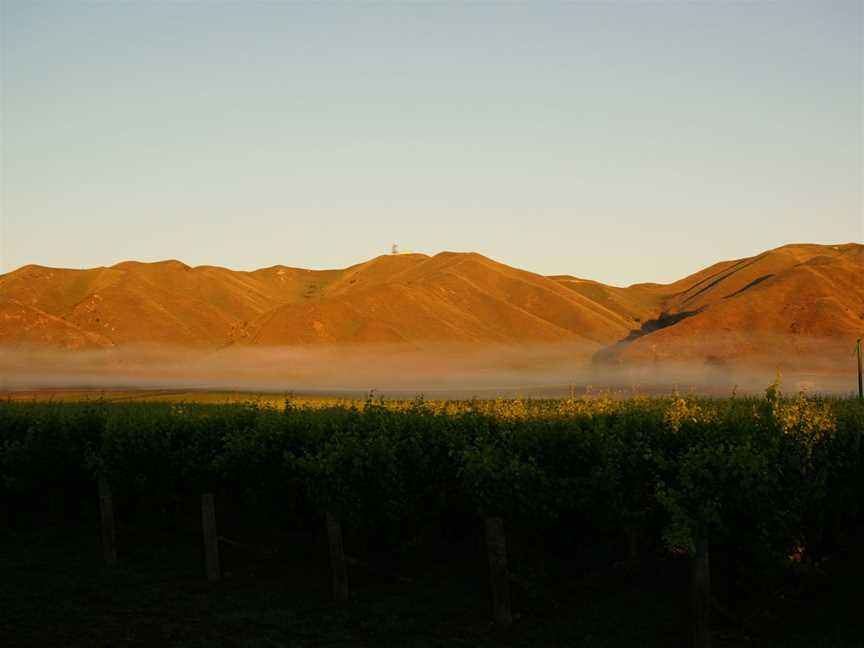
620, 141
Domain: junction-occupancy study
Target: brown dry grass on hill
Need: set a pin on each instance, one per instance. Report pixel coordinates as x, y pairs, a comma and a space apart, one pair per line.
801, 306
404, 298
448, 297
797, 301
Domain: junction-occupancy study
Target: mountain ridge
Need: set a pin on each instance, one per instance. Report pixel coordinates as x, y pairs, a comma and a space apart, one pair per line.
723, 312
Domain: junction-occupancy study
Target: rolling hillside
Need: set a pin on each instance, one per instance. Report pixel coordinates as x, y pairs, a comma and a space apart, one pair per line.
796, 298
803, 300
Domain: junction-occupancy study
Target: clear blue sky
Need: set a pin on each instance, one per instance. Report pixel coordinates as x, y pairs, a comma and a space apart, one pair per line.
618, 141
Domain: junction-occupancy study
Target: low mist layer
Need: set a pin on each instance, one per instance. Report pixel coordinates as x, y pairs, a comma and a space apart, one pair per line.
451, 370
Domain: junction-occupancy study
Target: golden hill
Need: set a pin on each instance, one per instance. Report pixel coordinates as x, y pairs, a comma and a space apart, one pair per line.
797, 298
405, 298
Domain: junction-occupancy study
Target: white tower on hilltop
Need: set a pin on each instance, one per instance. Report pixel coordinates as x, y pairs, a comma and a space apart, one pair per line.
394, 249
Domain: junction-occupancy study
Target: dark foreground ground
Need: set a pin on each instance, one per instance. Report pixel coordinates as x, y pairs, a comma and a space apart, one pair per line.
55, 591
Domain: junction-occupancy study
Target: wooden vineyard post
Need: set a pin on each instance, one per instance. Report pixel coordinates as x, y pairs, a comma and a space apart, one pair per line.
633, 521
633, 542
499, 577
211, 539
106, 513
701, 594
337, 557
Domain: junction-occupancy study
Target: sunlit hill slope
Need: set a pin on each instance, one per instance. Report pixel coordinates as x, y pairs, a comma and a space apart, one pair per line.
796, 298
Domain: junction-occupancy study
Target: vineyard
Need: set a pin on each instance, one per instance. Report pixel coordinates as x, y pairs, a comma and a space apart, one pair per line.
748, 494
